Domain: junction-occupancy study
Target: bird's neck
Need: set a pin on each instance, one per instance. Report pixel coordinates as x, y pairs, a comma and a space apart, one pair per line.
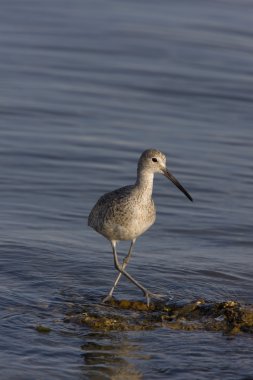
144, 183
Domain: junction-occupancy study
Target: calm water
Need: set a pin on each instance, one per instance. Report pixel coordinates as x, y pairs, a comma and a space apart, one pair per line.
86, 86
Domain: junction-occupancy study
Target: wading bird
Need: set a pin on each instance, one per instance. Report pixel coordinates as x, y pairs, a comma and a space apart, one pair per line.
126, 213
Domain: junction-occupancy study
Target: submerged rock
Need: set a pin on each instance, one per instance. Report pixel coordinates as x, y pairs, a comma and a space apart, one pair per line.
122, 315
43, 329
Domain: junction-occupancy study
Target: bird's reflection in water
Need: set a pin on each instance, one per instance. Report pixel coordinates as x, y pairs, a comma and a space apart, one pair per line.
108, 356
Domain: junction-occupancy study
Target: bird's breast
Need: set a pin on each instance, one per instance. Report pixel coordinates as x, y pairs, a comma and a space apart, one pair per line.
123, 214
128, 223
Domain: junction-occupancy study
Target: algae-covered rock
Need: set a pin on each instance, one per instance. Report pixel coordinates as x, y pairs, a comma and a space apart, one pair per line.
110, 322
121, 315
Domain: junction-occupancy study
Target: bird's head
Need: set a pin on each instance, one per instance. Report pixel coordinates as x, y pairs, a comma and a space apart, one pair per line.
154, 161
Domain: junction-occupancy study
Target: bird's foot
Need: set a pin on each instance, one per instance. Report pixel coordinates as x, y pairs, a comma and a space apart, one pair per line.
150, 295
157, 295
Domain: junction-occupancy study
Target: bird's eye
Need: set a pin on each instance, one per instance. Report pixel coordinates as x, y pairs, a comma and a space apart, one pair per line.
154, 159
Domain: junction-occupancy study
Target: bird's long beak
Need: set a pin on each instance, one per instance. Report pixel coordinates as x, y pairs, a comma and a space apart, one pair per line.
167, 174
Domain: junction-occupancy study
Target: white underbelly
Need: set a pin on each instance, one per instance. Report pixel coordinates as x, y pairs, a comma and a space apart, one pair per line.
129, 231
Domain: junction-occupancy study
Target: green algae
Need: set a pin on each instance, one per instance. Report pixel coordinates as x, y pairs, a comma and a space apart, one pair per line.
228, 317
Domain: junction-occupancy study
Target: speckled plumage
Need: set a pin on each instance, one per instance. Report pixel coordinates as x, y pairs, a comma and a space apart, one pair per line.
123, 214
126, 213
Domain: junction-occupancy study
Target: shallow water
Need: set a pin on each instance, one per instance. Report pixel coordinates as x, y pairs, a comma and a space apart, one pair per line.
86, 86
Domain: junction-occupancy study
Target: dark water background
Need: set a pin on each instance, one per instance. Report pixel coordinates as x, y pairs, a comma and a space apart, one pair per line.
86, 86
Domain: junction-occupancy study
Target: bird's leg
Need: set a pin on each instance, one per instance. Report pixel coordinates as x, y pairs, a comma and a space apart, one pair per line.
120, 268
125, 262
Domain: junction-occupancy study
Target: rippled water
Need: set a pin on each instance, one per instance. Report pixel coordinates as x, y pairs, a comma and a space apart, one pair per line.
86, 86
